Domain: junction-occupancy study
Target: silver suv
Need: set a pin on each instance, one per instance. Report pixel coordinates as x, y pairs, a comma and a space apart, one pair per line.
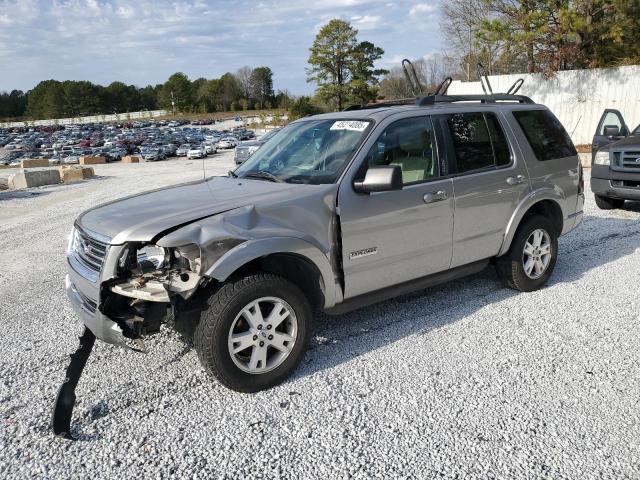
334, 212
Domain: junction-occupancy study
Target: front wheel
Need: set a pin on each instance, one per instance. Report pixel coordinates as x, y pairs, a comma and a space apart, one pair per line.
254, 332
532, 257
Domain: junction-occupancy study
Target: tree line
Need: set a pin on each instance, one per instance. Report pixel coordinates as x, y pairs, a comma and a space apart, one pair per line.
248, 88
541, 36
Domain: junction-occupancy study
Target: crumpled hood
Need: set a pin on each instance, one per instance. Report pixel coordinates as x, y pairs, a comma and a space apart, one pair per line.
144, 216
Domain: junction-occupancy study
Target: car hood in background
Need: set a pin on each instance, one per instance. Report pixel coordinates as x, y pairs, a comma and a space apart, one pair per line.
144, 216
631, 141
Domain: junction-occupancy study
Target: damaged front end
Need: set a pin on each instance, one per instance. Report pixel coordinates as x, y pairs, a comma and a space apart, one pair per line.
152, 286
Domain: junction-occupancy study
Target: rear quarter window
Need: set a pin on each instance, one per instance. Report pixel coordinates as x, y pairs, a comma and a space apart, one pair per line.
546, 135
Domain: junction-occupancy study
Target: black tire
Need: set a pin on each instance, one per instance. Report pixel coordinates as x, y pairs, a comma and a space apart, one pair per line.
212, 333
605, 203
510, 267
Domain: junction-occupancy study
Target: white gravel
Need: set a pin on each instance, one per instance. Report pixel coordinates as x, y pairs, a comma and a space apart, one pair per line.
465, 380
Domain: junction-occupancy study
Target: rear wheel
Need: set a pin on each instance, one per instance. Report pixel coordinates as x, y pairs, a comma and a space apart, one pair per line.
605, 203
254, 332
532, 257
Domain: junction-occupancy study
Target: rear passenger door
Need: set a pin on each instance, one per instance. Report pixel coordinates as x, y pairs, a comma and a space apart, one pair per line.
489, 180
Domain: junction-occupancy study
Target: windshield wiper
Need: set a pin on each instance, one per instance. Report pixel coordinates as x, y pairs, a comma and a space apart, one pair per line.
265, 175
231, 173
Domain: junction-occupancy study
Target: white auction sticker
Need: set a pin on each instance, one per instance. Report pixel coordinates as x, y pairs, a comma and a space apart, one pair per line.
354, 125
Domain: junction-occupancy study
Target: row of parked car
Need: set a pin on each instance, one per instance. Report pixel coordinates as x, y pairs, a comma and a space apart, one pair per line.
151, 140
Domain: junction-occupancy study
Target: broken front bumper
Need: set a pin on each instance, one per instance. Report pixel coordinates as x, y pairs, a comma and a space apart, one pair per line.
86, 307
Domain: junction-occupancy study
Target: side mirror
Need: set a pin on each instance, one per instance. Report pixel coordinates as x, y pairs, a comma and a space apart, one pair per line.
611, 131
381, 178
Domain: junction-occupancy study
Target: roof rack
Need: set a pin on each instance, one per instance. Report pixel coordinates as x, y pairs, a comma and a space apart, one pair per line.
414, 84
492, 98
440, 95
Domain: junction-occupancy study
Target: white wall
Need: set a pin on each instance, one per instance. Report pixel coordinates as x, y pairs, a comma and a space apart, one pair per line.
118, 117
577, 97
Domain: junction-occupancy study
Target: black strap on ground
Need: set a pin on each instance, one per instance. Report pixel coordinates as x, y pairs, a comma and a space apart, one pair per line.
66, 399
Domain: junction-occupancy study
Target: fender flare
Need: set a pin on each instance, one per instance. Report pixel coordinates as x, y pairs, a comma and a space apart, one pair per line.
523, 207
260, 247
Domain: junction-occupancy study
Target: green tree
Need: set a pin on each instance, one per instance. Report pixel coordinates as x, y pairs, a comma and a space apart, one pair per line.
262, 84
330, 59
228, 90
364, 75
302, 107
179, 85
342, 67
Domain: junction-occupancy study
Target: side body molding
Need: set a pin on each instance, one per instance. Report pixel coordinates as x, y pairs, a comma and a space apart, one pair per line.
534, 197
260, 247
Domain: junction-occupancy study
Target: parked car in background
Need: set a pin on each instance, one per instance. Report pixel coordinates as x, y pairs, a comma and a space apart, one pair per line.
169, 150
196, 152
183, 149
228, 142
210, 148
71, 159
245, 149
152, 154
615, 172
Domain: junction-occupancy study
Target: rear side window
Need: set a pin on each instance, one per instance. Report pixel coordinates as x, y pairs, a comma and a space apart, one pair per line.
546, 135
478, 141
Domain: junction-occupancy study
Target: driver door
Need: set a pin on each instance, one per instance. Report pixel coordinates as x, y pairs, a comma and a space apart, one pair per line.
395, 236
609, 118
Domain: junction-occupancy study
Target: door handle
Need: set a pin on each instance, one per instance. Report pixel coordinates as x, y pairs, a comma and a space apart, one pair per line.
434, 196
515, 180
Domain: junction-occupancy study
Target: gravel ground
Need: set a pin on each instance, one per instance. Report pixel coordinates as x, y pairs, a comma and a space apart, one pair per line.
465, 380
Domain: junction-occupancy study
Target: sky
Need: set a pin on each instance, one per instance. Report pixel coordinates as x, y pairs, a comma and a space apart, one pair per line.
143, 42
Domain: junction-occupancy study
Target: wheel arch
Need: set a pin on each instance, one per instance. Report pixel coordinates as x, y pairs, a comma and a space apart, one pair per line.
295, 259
546, 203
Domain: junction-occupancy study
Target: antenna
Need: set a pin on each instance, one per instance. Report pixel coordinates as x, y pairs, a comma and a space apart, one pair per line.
414, 83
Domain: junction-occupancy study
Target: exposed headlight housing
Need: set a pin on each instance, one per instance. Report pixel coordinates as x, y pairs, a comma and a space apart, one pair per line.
602, 158
151, 255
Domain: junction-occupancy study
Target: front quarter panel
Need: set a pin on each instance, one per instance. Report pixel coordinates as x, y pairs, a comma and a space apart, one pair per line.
304, 226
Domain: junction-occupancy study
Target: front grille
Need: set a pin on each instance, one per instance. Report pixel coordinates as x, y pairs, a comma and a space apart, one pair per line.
625, 183
628, 160
89, 251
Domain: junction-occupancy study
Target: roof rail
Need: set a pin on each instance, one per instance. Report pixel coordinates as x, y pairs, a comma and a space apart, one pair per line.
387, 103
493, 98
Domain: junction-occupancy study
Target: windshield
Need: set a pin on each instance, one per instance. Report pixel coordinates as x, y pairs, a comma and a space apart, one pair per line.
310, 151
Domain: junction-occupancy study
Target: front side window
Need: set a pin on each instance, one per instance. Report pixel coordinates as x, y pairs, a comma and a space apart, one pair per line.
546, 135
478, 142
409, 143
310, 151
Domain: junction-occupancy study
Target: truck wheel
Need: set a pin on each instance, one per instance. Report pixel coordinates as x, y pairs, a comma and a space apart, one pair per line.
254, 332
605, 203
532, 257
